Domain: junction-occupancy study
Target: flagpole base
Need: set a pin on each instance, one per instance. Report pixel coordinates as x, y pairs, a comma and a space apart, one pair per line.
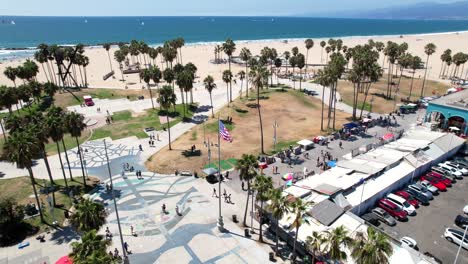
220, 225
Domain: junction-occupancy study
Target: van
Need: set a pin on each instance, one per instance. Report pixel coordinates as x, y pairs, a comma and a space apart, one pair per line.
402, 203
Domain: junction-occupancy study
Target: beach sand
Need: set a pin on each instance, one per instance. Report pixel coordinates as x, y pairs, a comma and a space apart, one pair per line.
201, 55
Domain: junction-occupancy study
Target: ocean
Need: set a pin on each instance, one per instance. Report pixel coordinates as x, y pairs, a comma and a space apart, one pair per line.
28, 32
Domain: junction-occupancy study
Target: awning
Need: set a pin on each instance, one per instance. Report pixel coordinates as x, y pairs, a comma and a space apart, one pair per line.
341, 201
350, 125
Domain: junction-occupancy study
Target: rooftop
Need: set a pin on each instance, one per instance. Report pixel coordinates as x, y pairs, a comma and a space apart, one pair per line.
458, 100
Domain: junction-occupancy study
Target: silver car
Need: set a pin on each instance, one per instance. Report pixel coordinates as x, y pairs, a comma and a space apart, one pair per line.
384, 216
422, 190
434, 190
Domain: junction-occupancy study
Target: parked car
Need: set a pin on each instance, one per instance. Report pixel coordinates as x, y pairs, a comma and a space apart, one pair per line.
435, 183
465, 209
454, 165
451, 170
371, 218
402, 203
409, 242
383, 216
434, 258
456, 236
393, 209
460, 163
447, 174
409, 198
419, 196
461, 221
461, 160
442, 178
434, 190
421, 189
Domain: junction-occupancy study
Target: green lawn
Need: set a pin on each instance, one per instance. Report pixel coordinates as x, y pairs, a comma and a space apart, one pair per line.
225, 164
283, 145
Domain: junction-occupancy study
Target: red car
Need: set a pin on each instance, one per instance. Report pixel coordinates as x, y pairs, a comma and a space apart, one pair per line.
435, 182
441, 177
392, 209
409, 198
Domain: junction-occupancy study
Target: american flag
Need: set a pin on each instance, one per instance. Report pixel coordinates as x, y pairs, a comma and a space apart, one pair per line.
224, 132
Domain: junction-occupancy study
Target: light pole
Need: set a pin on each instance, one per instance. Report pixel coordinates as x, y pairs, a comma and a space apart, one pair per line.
275, 125
220, 219
115, 205
459, 248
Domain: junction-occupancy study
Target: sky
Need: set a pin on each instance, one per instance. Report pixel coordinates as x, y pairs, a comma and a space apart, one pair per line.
192, 7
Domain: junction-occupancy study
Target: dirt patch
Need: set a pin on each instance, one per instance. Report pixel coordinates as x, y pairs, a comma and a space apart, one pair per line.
383, 106
298, 117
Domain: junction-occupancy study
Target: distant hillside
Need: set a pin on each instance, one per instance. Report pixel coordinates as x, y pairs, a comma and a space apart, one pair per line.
457, 10
426, 10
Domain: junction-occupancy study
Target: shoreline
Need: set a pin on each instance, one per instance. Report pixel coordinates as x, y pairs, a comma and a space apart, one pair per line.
245, 41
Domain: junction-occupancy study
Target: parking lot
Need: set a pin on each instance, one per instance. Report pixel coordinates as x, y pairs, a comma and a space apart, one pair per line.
428, 226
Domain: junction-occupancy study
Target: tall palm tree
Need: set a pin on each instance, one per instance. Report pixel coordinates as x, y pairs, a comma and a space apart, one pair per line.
299, 209
166, 99
227, 78
210, 85
278, 62
107, 47
229, 47
429, 49
192, 69
314, 244
75, 124
245, 56
156, 76
241, 75
262, 185
415, 64
88, 215
286, 56
22, 147
247, 166
119, 56
146, 75
54, 123
334, 240
11, 74
374, 247
278, 207
39, 57
258, 80
322, 44
185, 83
91, 247
309, 43
293, 63
324, 79
300, 60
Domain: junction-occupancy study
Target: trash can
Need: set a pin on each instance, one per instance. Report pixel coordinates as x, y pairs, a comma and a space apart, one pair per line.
234, 218
246, 232
272, 256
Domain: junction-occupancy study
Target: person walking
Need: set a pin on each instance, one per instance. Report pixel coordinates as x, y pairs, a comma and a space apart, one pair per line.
215, 194
341, 145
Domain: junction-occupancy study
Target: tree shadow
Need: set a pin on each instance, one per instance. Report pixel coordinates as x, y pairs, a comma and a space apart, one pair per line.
171, 114
15, 234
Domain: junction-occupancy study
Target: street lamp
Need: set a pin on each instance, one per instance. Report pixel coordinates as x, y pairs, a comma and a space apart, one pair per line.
275, 125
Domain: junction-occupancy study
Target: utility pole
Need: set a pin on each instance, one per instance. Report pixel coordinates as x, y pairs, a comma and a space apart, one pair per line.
115, 205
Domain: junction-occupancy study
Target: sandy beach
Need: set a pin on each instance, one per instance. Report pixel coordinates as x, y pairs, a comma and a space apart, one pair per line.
201, 54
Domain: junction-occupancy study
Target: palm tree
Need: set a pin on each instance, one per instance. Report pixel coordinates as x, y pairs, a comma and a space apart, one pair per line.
262, 185
41, 58
210, 85
229, 47
146, 75
322, 44
314, 244
334, 241
192, 69
328, 49
75, 124
373, 248
300, 60
299, 209
309, 43
22, 147
166, 99
258, 80
54, 123
185, 83
11, 74
293, 63
119, 56
278, 207
107, 46
156, 76
429, 49
91, 247
286, 56
247, 166
324, 79
245, 56
88, 215
7, 97
241, 75
415, 64
227, 77
278, 63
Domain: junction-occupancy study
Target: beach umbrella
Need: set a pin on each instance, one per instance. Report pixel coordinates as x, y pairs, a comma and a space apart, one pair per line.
288, 176
289, 183
331, 163
387, 136
64, 260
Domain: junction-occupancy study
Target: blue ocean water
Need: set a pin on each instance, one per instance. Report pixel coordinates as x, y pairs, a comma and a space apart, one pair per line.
31, 31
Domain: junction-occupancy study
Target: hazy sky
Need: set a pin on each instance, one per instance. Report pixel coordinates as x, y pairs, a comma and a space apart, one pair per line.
190, 7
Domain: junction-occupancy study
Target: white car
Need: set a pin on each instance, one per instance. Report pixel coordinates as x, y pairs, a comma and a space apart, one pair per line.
458, 167
409, 242
430, 187
465, 209
451, 170
456, 236
402, 203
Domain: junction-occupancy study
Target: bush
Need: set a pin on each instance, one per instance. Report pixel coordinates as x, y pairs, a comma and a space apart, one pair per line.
12, 227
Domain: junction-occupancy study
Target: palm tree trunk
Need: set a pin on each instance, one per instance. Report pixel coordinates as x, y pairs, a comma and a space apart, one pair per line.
61, 164
168, 128
86, 76
66, 158
441, 67
246, 79
247, 204
411, 86
227, 93
110, 61
151, 95
323, 105
81, 75
46, 162
212, 111
260, 120
81, 160
242, 84
183, 101
277, 237
300, 80
295, 242
425, 74
334, 103
230, 81
261, 224
365, 98
31, 176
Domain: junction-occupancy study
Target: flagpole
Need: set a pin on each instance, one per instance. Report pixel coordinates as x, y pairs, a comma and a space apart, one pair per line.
115, 205
220, 219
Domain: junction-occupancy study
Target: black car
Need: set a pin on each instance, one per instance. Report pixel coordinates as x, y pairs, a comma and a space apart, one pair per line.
419, 196
461, 221
371, 218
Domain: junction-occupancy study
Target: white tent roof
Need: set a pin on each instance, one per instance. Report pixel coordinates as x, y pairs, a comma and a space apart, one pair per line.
305, 142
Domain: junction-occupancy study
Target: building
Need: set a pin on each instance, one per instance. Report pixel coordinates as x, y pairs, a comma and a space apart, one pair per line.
450, 111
